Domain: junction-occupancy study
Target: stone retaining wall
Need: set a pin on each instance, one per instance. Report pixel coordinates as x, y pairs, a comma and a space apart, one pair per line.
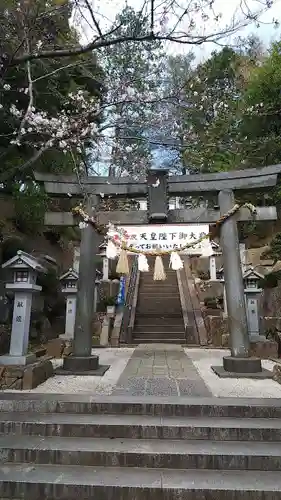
26, 377
218, 336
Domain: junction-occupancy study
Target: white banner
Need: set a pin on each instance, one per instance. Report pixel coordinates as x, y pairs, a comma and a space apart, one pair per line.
167, 237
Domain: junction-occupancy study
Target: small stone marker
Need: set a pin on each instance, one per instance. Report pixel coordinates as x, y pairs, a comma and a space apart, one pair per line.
69, 282
212, 261
25, 270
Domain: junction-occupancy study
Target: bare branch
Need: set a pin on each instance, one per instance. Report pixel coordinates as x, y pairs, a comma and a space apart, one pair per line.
107, 40
152, 17
97, 26
9, 174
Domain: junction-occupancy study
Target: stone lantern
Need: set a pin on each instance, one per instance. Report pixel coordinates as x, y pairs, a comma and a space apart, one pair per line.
69, 281
25, 270
252, 292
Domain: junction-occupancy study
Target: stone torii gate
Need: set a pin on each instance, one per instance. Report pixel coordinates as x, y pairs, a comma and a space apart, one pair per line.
156, 188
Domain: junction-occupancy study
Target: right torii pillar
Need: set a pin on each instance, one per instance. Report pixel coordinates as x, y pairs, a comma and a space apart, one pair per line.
239, 363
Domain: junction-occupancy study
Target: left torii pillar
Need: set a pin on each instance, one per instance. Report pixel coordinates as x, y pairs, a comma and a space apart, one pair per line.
82, 361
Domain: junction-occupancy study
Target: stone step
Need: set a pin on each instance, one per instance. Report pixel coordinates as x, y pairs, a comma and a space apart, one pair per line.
140, 426
158, 299
159, 335
153, 323
166, 290
156, 285
155, 340
177, 327
159, 296
143, 311
147, 313
170, 301
160, 284
142, 315
143, 335
143, 319
159, 293
151, 302
106, 483
147, 453
170, 280
148, 309
171, 289
156, 291
149, 332
141, 328
131, 405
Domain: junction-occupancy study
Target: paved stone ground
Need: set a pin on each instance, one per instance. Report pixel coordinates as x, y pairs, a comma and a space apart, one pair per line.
177, 372
160, 370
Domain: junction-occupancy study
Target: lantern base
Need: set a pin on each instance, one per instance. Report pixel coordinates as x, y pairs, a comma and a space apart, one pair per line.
82, 365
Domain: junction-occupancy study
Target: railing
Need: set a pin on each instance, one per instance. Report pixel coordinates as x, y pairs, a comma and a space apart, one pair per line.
181, 277
201, 333
130, 305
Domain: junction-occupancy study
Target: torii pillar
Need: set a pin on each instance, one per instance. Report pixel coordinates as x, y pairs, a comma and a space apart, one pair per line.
239, 363
82, 362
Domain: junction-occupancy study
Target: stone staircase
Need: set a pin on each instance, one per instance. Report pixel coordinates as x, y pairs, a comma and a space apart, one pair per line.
74, 446
159, 313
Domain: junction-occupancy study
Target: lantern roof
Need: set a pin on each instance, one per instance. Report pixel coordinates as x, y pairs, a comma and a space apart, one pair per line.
69, 275
251, 274
23, 260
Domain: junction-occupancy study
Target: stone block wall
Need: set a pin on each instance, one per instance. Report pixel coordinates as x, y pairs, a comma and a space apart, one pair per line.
209, 289
199, 264
218, 336
270, 302
267, 349
25, 377
217, 331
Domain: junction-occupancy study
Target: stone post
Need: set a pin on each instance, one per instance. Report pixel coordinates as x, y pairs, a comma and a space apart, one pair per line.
239, 362
242, 249
224, 302
96, 295
81, 361
213, 268
69, 289
105, 269
70, 316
